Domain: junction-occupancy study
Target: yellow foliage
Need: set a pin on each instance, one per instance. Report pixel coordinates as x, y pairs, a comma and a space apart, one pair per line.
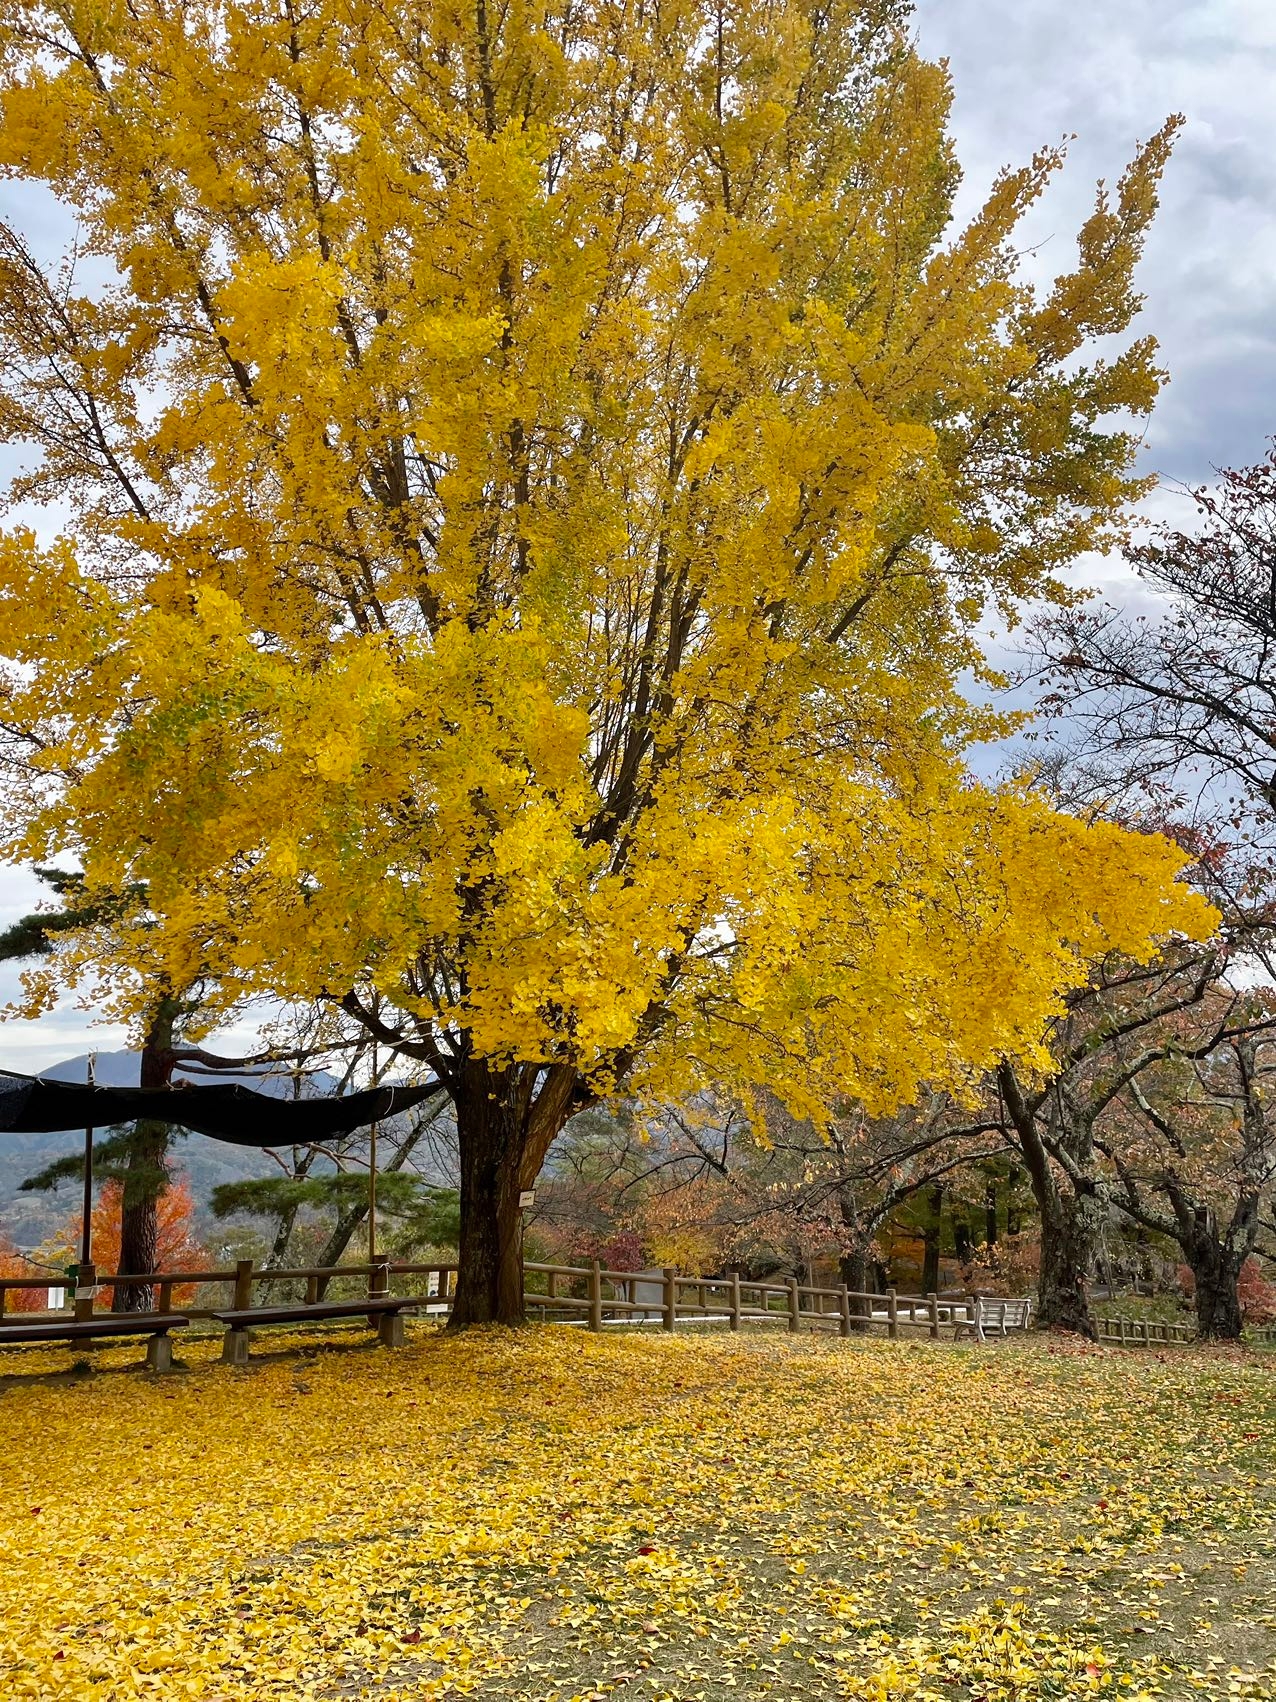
545, 1515
530, 486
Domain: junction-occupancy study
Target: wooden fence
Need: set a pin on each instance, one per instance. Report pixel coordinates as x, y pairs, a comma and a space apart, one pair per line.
595, 1298
1142, 1332
237, 1283
598, 1297
589, 1296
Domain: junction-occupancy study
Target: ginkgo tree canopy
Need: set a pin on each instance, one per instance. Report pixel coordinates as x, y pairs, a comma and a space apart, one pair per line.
527, 480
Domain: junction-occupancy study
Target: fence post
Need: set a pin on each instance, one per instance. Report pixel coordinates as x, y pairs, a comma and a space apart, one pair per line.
378, 1285
735, 1300
795, 1307
1121, 1330
165, 1298
243, 1284
670, 1308
892, 1315
932, 1305
551, 1285
595, 1296
85, 1283
4, 1293
844, 1309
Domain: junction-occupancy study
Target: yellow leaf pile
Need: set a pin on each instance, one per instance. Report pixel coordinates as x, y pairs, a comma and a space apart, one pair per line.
555, 1516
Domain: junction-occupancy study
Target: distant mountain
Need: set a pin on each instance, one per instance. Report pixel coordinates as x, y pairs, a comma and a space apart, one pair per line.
27, 1218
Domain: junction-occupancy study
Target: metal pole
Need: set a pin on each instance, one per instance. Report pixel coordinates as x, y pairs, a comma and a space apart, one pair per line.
86, 1232
85, 1275
372, 1174
372, 1197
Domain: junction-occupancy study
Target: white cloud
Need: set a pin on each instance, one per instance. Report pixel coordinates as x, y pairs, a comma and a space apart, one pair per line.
1028, 72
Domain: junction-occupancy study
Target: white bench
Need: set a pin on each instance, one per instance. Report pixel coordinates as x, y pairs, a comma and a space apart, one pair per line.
984, 1317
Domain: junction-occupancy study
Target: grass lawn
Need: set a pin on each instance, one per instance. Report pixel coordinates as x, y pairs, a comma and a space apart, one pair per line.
555, 1515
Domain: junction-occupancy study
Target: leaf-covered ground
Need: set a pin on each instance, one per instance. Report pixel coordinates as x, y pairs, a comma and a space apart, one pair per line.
554, 1515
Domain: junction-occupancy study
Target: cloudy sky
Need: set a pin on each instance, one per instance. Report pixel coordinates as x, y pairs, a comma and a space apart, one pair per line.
1029, 72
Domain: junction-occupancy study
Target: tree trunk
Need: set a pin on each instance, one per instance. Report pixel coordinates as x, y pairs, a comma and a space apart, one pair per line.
962, 1243
990, 1212
1014, 1220
1216, 1269
932, 1233
1069, 1213
147, 1175
854, 1271
1217, 1257
283, 1235
1218, 1306
504, 1127
144, 1182
489, 1287
1069, 1230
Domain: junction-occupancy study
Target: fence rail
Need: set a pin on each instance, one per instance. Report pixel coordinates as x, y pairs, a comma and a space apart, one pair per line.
596, 1297
238, 1283
1142, 1332
588, 1295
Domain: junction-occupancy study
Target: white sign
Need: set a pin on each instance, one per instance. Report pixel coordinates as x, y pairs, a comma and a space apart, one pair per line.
526, 1198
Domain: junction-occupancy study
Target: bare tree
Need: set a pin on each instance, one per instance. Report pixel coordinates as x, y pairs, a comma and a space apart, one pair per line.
1192, 1140
1181, 709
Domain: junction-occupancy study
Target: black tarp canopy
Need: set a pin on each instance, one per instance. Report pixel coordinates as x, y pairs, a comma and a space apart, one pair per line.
226, 1112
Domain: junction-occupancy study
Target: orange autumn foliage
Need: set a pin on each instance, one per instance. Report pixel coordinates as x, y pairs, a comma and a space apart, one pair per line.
12, 1264
179, 1248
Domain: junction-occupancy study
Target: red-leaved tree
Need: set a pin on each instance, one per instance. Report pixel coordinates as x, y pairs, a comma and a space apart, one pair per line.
178, 1246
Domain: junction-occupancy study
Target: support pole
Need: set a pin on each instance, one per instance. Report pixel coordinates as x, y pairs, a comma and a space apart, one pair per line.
86, 1274
372, 1173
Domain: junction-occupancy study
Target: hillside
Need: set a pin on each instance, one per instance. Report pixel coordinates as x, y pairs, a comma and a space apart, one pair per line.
27, 1218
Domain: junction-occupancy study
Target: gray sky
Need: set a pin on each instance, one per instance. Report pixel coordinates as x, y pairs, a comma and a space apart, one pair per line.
1027, 73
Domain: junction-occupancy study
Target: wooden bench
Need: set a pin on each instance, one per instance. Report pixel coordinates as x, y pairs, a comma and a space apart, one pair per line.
155, 1325
386, 1309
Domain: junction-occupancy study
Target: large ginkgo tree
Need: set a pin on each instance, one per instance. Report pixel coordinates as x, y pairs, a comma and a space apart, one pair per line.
522, 480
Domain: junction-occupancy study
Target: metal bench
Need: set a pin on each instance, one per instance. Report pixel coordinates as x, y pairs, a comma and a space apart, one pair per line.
156, 1325
384, 1309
